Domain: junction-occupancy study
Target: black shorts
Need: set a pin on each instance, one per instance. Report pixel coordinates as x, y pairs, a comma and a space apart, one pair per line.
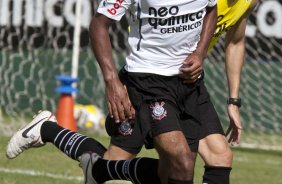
163, 104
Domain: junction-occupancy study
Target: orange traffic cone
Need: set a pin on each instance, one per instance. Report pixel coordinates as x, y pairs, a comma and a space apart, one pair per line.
65, 108
64, 113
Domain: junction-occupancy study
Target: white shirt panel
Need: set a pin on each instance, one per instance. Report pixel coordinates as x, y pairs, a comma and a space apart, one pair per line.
163, 32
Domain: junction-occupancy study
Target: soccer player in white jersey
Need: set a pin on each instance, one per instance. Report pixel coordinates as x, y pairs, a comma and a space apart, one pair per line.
213, 147
164, 35
213, 154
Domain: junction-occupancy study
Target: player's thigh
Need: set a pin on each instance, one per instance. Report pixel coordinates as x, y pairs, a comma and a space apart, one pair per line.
123, 146
166, 130
215, 151
173, 145
164, 125
116, 153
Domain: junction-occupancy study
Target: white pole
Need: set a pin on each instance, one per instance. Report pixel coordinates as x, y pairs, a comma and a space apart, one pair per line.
76, 41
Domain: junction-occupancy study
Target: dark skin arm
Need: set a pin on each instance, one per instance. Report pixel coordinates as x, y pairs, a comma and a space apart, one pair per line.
193, 65
119, 105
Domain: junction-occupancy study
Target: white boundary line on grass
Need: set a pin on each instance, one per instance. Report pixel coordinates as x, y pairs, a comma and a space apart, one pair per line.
37, 173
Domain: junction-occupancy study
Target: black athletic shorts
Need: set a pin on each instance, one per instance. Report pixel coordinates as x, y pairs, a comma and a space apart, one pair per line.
163, 104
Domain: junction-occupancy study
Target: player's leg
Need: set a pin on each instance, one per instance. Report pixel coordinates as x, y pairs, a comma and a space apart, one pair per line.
217, 156
170, 142
116, 153
137, 170
176, 156
142, 170
123, 146
44, 128
120, 163
177, 159
215, 150
213, 146
73, 144
117, 166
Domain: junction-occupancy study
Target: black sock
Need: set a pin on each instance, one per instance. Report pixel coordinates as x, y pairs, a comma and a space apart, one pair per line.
137, 170
173, 181
216, 175
71, 143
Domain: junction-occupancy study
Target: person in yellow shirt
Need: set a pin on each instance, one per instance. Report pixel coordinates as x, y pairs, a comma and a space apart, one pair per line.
213, 146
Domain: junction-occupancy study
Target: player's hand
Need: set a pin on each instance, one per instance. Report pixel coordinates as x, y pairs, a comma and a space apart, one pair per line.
234, 130
191, 68
119, 105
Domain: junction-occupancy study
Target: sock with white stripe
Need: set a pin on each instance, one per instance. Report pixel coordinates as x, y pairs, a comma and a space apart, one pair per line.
137, 170
71, 143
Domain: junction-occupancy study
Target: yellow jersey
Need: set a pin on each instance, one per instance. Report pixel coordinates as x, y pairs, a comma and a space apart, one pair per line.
228, 15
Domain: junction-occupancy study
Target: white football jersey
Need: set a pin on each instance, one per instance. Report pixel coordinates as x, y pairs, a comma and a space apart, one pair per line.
162, 32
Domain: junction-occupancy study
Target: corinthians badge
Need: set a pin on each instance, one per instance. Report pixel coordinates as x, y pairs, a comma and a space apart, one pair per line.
125, 128
158, 112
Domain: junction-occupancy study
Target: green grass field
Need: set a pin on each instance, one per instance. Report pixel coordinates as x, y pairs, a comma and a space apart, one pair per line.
47, 165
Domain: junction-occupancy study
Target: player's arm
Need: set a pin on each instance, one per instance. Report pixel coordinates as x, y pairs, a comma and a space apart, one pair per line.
192, 67
101, 45
234, 60
208, 30
117, 99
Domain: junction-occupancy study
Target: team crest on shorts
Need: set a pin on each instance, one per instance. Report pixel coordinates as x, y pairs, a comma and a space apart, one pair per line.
159, 111
125, 128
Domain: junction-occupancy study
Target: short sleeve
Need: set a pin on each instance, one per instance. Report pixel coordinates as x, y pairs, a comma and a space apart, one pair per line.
212, 3
114, 9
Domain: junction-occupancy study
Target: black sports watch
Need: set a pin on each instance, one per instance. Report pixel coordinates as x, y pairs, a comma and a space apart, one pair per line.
234, 101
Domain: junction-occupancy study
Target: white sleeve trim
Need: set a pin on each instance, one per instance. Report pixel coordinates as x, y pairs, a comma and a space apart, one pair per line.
212, 3
114, 9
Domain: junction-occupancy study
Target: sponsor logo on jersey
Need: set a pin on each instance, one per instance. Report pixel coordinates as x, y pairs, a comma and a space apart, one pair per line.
115, 7
175, 22
158, 112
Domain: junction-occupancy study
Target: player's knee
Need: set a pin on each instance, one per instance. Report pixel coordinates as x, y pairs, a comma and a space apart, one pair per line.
215, 151
116, 153
182, 163
183, 166
222, 156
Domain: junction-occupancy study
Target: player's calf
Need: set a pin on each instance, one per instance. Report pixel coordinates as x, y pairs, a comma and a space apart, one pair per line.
73, 144
44, 128
137, 170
